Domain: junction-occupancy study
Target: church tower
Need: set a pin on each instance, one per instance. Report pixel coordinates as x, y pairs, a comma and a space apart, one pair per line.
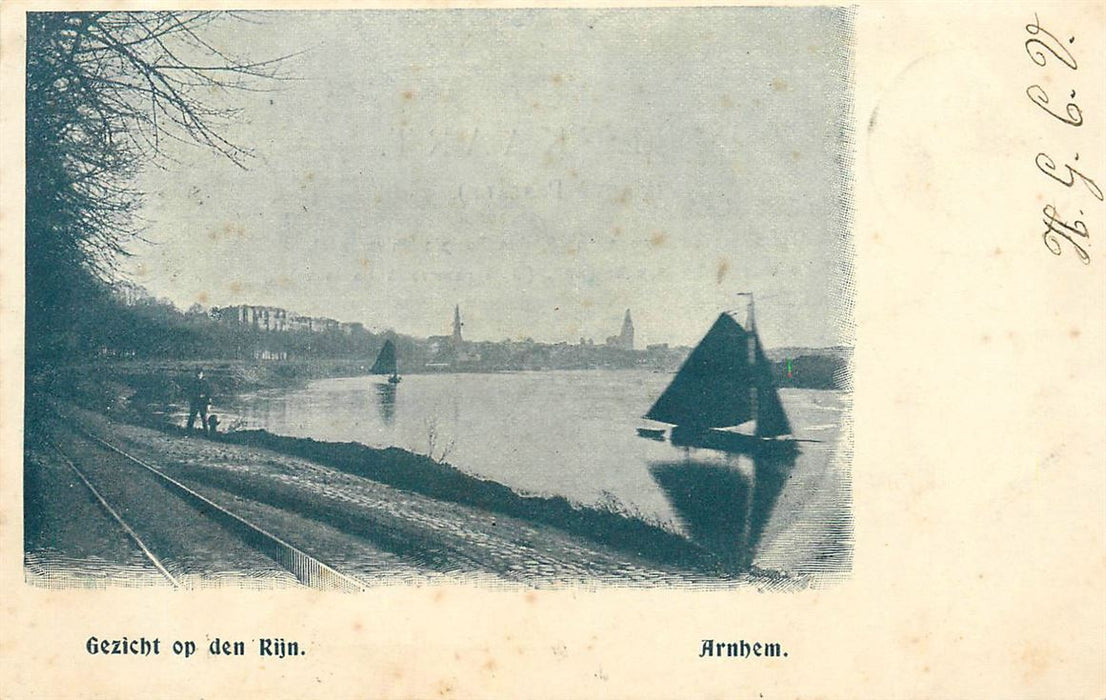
626, 337
457, 340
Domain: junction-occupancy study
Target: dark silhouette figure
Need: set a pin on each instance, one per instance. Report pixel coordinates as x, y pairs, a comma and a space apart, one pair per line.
199, 398
213, 425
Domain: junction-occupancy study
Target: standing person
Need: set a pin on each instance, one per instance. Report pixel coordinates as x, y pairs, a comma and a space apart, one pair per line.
199, 398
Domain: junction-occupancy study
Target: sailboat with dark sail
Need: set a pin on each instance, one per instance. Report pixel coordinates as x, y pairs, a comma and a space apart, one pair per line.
386, 363
725, 383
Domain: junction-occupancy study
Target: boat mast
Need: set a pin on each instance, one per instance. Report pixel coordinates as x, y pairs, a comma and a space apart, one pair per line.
751, 351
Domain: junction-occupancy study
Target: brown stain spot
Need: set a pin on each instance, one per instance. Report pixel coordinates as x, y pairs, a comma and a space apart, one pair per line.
439, 595
986, 338
624, 196
1074, 333
587, 303
141, 270
408, 95
795, 155
572, 173
658, 239
726, 102
202, 297
557, 79
357, 626
1035, 661
876, 237
445, 688
779, 84
572, 251
531, 597
536, 106
236, 287
490, 665
616, 231
227, 231
309, 176
284, 281
723, 270
364, 263
998, 251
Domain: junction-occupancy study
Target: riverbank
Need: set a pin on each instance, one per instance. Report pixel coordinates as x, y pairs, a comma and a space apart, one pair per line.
430, 524
123, 399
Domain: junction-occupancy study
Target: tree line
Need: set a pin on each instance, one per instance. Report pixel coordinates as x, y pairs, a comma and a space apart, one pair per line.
106, 92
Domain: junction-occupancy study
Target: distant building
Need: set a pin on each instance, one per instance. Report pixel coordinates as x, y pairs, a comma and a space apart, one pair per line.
321, 324
457, 339
272, 318
128, 293
440, 345
451, 350
299, 323
265, 318
625, 339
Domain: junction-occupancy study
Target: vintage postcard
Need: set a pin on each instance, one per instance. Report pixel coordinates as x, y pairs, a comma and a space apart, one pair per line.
576, 350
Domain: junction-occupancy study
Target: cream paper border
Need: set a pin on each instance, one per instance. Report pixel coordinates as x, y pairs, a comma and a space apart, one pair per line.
980, 447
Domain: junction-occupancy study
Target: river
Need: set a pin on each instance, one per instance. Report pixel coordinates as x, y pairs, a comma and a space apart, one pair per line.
573, 433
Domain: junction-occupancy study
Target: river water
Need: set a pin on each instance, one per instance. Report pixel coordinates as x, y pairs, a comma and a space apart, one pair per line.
573, 433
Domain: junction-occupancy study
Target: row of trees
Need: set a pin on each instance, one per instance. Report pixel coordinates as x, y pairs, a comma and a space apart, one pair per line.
106, 93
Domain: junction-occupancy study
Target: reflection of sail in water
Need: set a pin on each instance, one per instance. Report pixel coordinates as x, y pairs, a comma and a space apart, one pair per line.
725, 381
386, 402
725, 506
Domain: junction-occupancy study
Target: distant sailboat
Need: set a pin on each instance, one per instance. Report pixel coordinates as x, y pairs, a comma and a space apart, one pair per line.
725, 382
386, 363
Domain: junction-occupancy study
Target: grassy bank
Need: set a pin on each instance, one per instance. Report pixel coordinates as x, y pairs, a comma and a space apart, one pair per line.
425, 476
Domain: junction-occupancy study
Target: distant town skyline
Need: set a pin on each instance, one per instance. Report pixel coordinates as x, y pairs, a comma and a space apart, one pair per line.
543, 169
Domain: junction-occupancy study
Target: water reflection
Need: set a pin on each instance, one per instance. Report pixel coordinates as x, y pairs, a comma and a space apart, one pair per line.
386, 402
724, 498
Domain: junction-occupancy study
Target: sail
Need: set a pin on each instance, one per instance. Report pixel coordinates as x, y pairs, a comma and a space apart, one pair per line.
386, 360
712, 389
771, 418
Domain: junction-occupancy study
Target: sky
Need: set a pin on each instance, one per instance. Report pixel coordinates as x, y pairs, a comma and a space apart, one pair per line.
544, 169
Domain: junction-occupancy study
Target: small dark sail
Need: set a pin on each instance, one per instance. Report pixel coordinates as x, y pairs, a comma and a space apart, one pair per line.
386, 360
771, 418
712, 389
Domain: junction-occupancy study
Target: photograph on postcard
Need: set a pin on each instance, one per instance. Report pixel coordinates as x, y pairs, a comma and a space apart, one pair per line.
512, 297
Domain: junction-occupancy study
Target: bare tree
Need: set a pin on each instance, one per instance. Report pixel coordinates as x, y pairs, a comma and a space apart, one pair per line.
106, 92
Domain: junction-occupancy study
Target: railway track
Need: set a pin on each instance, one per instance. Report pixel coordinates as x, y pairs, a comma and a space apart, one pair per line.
184, 535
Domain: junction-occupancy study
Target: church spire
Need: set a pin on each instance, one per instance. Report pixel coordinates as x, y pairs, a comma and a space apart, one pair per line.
457, 340
626, 337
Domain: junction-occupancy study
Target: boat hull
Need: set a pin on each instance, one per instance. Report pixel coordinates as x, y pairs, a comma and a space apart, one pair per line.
728, 441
